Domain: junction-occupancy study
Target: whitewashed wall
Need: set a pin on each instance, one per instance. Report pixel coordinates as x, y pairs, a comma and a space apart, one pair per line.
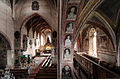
23, 10
6, 23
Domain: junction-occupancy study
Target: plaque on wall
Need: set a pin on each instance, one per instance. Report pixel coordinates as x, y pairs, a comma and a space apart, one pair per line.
68, 41
67, 54
35, 5
17, 34
72, 13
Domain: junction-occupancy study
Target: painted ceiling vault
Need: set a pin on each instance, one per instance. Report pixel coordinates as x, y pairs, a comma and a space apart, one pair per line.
110, 9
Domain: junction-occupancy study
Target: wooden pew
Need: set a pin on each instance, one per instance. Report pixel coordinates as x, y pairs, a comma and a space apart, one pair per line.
19, 73
47, 73
45, 77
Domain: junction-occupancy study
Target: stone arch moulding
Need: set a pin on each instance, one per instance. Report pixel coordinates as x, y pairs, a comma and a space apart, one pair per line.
7, 38
118, 53
26, 20
107, 26
105, 30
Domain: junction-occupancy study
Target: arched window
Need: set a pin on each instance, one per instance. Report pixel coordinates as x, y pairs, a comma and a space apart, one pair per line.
49, 36
92, 42
42, 40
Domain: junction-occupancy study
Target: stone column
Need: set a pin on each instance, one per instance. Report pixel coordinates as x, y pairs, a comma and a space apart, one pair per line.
10, 58
118, 55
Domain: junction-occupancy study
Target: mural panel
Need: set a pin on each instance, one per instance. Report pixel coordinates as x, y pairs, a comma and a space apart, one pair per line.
103, 44
67, 54
69, 27
68, 41
72, 13
66, 72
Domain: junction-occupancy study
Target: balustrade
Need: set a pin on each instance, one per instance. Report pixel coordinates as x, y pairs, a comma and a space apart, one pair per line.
85, 68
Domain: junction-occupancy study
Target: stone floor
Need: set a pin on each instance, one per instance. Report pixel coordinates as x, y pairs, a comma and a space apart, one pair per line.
38, 61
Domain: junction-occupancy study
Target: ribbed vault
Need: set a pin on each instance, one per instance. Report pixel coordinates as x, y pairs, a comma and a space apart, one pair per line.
37, 23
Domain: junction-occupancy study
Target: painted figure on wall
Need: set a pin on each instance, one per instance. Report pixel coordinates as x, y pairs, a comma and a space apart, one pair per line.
68, 41
67, 54
69, 27
103, 43
72, 12
66, 72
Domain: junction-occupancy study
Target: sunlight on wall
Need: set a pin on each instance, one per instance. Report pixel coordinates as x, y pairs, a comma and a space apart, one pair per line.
42, 40
95, 45
75, 46
92, 42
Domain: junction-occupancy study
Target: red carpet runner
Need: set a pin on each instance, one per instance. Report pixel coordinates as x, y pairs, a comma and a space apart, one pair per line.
36, 70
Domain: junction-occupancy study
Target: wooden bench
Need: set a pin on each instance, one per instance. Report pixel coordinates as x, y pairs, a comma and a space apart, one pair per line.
45, 77
95, 59
19, 73
47, 74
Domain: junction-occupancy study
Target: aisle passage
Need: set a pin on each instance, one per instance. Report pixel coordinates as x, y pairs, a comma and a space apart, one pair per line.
35, 68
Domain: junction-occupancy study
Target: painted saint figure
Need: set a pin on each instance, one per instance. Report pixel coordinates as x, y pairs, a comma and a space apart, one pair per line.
69, 27
72, 14
67, 54
66, 72
68, 41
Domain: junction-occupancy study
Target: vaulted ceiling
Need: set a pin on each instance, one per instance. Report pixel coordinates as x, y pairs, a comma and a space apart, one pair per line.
47, 11
110, 9
37, 23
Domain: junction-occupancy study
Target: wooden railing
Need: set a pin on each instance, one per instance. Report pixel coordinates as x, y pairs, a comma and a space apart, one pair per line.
85, 68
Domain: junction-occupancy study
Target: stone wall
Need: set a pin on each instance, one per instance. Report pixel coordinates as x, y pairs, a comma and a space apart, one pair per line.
6, 23
4, 47
23, 11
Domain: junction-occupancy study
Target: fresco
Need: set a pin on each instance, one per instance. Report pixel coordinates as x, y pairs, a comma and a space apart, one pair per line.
72, 13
